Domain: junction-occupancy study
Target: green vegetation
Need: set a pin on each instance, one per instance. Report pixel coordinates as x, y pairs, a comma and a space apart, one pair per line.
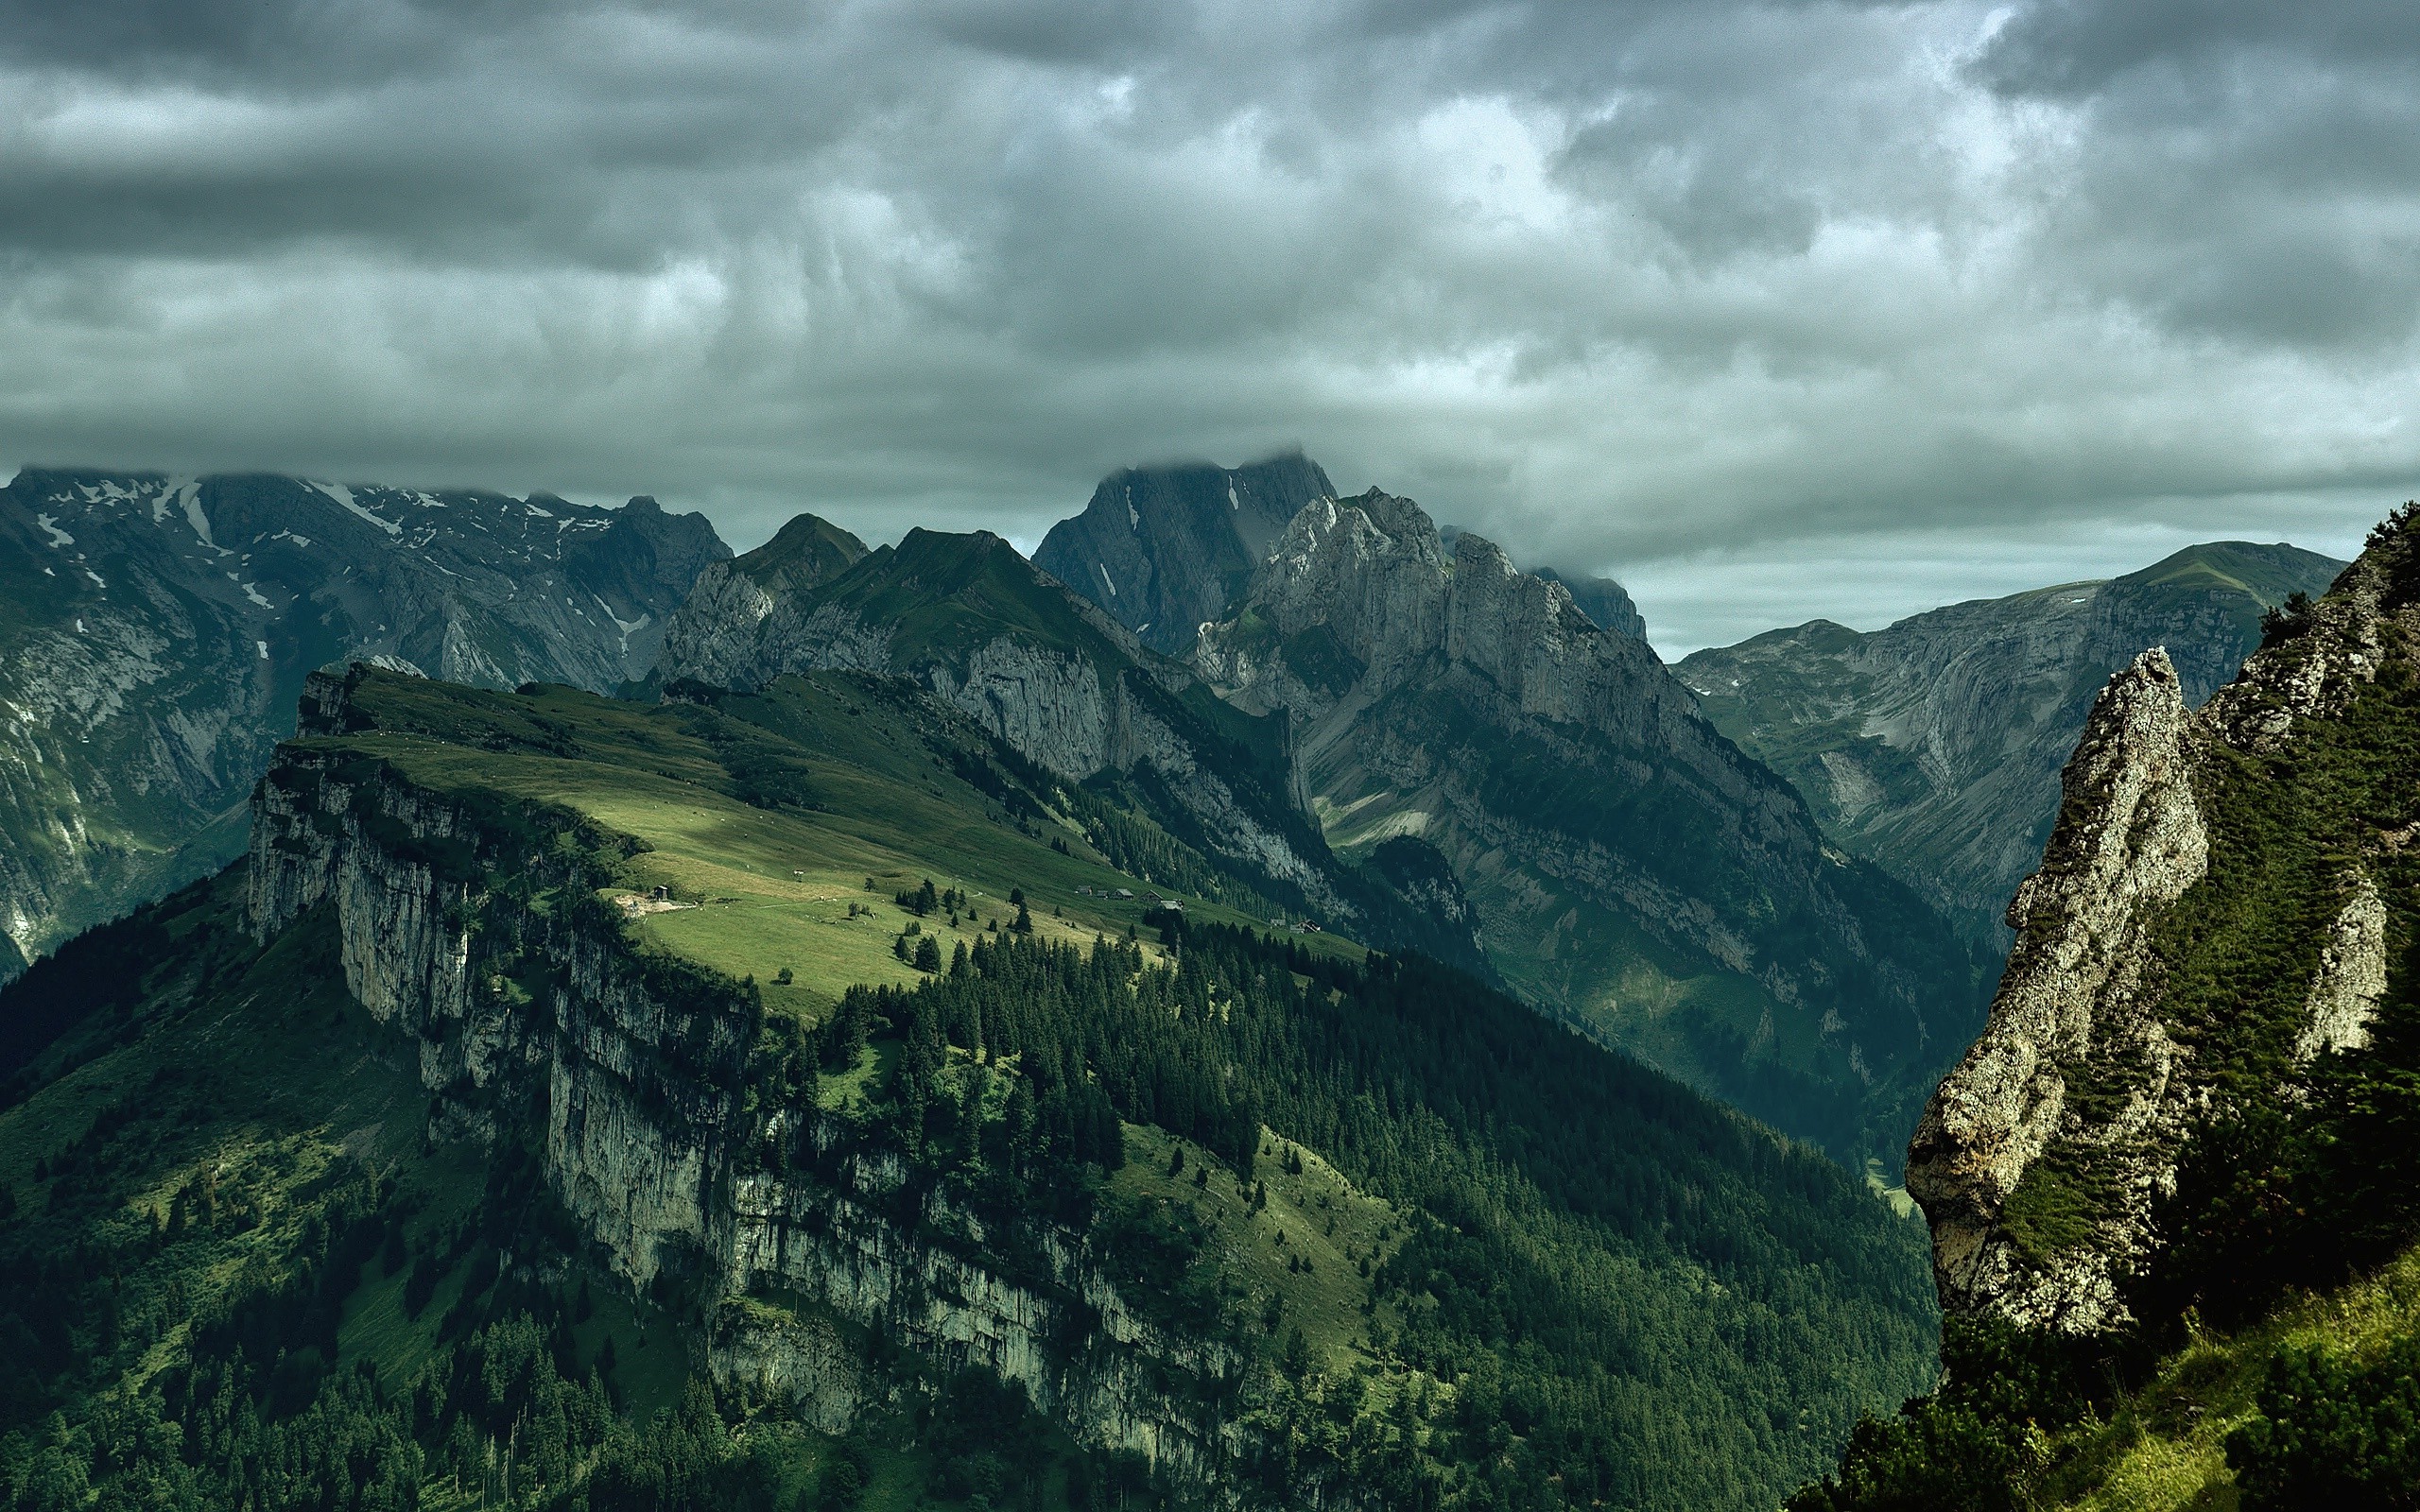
1538, 1320
1460, 1258
1862, 953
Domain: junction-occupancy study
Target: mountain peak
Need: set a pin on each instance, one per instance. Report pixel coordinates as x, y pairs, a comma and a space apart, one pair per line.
1593, 818
1163, 550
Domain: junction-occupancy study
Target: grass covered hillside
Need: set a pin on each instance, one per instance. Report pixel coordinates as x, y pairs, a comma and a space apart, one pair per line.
1336, 1228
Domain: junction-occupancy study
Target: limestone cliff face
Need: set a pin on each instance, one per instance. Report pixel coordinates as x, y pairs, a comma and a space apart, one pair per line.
2043, 1158
529, 1004
2129, 839
1581, 798
722, 632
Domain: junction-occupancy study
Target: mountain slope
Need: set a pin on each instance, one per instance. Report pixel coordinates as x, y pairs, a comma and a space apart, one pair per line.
155, 631
1069, 690
1934, 747
1167, 549
1630, 868
1216, 1219
2198, 1097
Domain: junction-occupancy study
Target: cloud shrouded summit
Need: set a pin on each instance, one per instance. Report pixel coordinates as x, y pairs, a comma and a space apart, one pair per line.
1771, 310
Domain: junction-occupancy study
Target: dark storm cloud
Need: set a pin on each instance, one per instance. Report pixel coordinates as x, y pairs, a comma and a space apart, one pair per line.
1777, 309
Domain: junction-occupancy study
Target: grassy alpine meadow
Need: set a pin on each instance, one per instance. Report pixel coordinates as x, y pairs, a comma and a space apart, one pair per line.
808, 888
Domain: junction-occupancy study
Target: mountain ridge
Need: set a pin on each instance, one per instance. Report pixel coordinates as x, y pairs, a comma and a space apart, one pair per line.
1066, 686
1933, 746
156, 632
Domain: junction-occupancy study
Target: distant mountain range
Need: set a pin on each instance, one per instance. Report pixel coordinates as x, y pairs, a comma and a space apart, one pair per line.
155, 632
1934, 747
1368, 720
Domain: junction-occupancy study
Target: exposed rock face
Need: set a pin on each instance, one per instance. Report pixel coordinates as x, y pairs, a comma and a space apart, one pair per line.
156, 632
2131, 838
720, 630
651, 1147
1061, 682
1166, 549
1587, 807
1604, 601
2043, 1159
1934, 746
2351, 980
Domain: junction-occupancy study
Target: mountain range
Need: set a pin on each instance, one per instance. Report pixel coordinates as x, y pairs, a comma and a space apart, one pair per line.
1934, 747
1630, 868
155, 632
942, 1035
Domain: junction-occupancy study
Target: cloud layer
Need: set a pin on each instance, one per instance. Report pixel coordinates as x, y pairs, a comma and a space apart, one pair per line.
1774, 310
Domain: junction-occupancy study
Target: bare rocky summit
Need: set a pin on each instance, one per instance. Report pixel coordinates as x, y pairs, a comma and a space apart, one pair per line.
1163, 550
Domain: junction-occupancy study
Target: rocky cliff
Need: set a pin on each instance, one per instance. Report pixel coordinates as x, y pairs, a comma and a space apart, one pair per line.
788, 1228
1628, 865
1934, 747
1166, 549
1604, 601
2215, 916
739, 613
155, 631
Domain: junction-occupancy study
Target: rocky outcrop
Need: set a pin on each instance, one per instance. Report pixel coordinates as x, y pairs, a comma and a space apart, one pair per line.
2044, 1158
161, 630
1606, 602
1934, 747
2129, 839
1165, 550
2351, 977
721, 632
1576, 794
520, 1009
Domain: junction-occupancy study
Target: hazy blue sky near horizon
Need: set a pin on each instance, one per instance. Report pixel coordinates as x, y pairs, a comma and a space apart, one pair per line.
1772, 309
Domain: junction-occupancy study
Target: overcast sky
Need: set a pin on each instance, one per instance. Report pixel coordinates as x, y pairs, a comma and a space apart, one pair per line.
1772, 311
